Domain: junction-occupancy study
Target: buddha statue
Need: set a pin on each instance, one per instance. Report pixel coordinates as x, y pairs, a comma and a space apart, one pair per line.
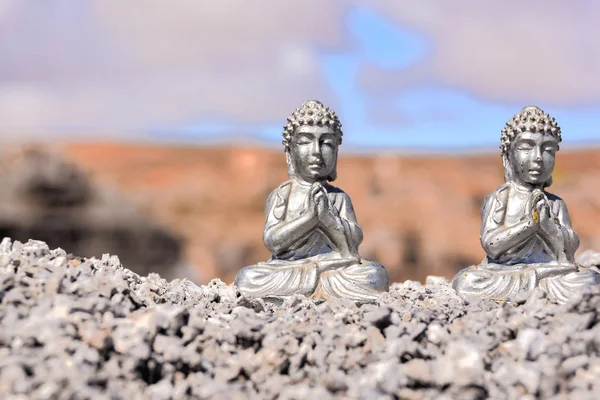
526, 231
311, 229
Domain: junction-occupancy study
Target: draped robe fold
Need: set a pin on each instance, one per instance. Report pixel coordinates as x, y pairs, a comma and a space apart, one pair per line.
532, 262
313, 265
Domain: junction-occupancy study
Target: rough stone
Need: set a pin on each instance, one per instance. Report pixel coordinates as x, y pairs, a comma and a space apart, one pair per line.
90, 328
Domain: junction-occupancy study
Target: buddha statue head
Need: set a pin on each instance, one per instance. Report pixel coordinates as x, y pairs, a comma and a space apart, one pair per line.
529, 144
311, 138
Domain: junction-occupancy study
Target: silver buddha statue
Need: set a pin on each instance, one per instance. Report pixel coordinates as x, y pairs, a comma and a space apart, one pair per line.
311, 229
526, 231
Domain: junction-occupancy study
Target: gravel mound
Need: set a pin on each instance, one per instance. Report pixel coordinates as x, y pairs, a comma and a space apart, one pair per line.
87, 328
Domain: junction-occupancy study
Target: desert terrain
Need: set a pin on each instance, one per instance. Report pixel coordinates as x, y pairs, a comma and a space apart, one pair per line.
420, 214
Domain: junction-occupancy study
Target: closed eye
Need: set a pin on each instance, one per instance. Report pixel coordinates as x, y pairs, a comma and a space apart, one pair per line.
525, 144
550, 147
328, 140
304, 139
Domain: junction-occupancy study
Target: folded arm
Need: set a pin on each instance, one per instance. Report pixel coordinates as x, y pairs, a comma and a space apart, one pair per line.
341, 227
278, 234
558, 232
498, 238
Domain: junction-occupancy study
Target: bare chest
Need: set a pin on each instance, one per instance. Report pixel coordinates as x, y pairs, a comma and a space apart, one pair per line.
519, 207
297, 200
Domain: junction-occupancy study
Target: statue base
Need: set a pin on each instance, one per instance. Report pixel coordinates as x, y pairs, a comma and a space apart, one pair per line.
501, 282
317, 277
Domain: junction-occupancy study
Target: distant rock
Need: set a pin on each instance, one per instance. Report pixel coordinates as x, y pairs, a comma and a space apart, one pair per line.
420, 214
45, 197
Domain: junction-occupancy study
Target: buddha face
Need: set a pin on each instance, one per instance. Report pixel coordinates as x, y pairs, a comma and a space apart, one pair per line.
313, 151
531, 156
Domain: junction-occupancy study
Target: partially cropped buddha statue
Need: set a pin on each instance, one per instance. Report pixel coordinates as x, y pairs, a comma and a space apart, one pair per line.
310, 227
526, 231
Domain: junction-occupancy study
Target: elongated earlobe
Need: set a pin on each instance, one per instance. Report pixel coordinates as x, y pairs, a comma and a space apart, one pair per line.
508, 170
291, 168
333, 175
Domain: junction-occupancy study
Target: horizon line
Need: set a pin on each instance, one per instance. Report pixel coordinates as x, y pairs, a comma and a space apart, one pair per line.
230, 142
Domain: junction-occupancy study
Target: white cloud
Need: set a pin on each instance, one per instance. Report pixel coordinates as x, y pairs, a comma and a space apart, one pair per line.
118, 65
6, 8
111, 64
513, 50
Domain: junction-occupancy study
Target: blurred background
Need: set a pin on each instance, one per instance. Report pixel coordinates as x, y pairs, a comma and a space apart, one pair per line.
152, 129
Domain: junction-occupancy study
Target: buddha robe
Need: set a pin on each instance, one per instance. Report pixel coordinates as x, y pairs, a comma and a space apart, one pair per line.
532, 261
313, 265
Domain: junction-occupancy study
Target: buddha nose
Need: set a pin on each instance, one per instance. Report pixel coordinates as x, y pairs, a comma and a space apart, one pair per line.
537, 154
316, 149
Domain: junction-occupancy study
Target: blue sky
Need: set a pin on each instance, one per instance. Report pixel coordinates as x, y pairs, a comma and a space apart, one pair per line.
461, 121
400, 76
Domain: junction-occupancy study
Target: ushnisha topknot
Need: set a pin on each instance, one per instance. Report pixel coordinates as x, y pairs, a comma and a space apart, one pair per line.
312, 112
530, 118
